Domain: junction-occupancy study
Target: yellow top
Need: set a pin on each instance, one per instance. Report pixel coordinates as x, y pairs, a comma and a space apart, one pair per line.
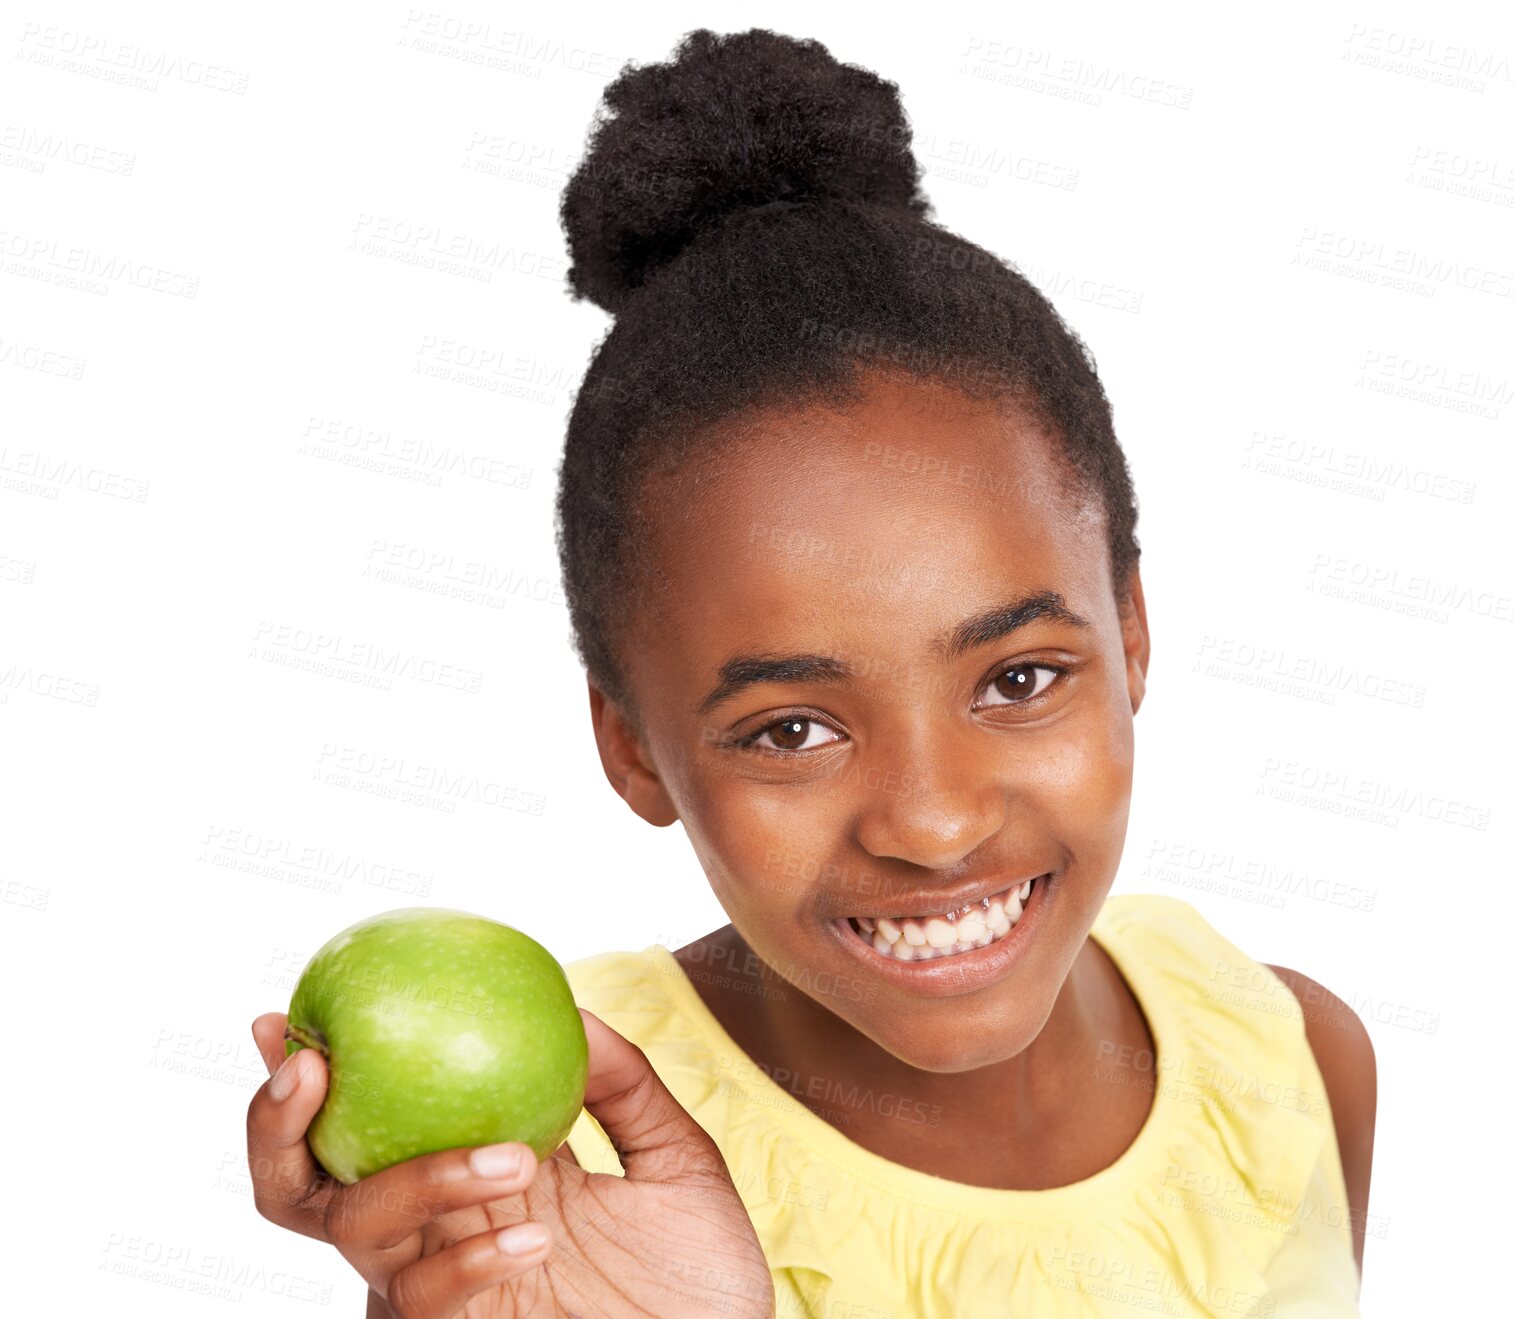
1230, 1202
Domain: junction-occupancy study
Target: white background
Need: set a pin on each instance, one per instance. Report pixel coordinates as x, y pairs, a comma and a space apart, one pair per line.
213, 446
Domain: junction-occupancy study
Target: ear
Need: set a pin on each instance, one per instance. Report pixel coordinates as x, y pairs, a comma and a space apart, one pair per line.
1136, 639
625, 763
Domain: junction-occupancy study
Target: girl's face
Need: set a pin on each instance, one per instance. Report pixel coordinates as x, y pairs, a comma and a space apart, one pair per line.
846, 708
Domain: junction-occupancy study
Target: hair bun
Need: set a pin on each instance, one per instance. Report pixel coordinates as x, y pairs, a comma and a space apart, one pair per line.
730, 123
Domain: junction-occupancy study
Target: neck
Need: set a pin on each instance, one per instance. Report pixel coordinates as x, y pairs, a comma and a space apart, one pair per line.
1042, 1117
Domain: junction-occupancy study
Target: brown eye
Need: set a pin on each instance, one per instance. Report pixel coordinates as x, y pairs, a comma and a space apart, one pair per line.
791, 733
1020, 683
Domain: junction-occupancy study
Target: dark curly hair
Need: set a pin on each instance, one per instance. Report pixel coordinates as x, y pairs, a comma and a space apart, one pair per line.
750, 213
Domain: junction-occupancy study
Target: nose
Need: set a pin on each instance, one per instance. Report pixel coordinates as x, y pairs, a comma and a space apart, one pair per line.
933, 808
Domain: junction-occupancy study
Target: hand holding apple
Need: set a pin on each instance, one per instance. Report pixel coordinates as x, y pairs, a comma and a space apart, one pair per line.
443, 1231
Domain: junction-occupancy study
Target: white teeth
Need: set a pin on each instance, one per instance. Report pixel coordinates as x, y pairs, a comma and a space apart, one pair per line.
940, 933
969, 928
974, 926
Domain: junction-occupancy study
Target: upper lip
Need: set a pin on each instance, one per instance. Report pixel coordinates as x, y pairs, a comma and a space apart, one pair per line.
936, 902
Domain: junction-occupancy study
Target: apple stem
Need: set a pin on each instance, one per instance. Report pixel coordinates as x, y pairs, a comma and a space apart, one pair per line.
309, 1039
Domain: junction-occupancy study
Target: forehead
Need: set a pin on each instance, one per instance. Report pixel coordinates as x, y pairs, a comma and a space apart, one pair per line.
863, 533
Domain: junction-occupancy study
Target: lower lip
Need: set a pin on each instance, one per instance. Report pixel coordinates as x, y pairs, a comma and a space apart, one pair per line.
941, 977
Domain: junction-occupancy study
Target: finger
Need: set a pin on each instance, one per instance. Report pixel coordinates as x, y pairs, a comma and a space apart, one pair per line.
653, 1133
387, 1207
440, 1285
268, 1032
288, 1186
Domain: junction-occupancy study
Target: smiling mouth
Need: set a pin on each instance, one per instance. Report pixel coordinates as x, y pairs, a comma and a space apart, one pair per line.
949, 934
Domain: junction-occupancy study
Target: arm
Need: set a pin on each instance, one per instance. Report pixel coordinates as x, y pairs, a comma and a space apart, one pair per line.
1348, 1065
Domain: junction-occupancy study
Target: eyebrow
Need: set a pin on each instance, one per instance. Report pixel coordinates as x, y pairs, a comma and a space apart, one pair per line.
742, 671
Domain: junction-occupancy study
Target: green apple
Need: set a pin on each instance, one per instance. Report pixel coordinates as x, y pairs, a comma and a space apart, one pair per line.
440, 1029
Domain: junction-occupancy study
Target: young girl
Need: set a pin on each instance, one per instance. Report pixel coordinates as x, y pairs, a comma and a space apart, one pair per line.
850, 549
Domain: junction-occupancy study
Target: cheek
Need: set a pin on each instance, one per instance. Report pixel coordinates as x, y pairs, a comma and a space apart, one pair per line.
761, 848
1095, 762
1085, 780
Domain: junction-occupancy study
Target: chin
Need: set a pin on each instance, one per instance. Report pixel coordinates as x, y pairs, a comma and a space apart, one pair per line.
930, 1049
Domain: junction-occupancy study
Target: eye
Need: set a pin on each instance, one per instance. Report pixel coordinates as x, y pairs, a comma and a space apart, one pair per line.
789, 734
1019, 685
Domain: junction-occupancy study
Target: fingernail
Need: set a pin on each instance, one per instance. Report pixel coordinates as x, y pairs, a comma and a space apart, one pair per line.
522, 1239
495, 1161
284, 1080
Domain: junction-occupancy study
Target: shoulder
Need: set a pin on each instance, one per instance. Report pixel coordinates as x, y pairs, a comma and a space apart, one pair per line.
607, 982
1204, 967
1348, 1067
1203, 960
1340, 1042
632, 992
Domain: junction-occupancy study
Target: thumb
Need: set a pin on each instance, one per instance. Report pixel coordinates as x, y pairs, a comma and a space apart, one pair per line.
655, 1136
288, 1186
